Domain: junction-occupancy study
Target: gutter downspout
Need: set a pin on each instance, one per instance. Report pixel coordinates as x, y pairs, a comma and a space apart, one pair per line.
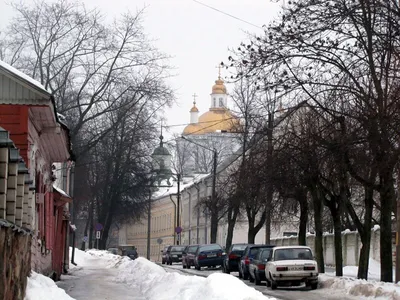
190, 216
173, 229
198, 214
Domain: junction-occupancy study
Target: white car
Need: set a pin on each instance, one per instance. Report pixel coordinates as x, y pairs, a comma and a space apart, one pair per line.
291, 265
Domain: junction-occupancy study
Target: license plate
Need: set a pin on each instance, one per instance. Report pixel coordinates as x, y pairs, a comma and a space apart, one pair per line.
211, 255
296, 268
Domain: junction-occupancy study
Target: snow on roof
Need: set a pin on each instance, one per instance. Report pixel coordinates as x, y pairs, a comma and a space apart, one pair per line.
24, 77
61, 191
186, 182
61, 119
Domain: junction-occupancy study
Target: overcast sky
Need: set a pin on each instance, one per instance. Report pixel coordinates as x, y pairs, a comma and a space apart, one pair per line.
197, 37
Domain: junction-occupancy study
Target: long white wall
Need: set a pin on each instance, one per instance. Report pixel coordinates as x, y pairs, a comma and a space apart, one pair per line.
351, 246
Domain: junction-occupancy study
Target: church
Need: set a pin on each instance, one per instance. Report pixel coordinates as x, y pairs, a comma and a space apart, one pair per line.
211, 136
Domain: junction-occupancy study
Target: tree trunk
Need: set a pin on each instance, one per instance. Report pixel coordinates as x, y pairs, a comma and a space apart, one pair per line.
232, 216
365, 235
254, 229
386, 195
337, 240
302, 199
214, 226
319, 250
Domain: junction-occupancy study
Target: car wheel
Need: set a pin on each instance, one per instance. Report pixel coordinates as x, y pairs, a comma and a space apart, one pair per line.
267, 283
257, 279
272, 282
314, 285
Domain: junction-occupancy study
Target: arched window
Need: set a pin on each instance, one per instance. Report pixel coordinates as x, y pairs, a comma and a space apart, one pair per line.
221, 102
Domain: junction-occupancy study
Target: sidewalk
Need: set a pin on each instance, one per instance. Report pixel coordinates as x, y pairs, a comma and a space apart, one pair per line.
93, 281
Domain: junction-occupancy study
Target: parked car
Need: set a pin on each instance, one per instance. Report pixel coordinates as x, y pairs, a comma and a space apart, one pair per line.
174, 254
291, 265
245, 261
232, 258
132, 254
189, 255
164, 255
211, 255
257, 265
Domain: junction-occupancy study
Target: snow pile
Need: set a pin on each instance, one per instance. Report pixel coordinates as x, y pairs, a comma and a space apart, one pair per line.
358, 287
107, 259
43, 288
155, 283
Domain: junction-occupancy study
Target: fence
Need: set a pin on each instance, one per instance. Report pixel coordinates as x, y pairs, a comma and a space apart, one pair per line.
351, 245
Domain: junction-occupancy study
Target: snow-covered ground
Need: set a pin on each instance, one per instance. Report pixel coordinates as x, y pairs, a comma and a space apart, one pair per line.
114, 277
145, 279
372, 288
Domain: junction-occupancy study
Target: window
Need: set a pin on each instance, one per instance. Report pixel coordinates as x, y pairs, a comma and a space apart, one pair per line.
221, 102
215, 102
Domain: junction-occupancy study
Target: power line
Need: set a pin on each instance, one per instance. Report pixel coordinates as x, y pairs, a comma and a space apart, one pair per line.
225, 13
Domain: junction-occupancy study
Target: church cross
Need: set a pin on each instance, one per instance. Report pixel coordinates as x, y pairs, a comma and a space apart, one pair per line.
194, 98
219, 71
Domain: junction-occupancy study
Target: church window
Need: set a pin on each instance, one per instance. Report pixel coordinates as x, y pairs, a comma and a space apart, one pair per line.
221, 102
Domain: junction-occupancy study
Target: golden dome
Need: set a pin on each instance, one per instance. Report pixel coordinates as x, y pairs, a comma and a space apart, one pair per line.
194, 109
213, 120
219, 87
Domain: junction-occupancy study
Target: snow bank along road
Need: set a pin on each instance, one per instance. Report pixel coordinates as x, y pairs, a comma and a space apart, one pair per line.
297, 293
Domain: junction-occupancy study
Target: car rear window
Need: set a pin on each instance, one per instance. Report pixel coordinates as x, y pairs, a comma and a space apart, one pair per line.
293, 253
239, 247
193, 249
177, 249
265, 254
210, 248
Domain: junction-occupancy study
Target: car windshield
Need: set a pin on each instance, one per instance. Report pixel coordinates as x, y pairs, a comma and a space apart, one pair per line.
239, 247
179, 249
253, 251
210, 248
292, 253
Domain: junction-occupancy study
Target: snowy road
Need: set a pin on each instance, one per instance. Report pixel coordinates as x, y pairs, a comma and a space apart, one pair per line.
281, 293
97, 282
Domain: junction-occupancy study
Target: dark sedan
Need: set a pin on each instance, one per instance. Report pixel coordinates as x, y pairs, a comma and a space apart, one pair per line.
232, 258
174, 254
209, 256
189, 255
257, 266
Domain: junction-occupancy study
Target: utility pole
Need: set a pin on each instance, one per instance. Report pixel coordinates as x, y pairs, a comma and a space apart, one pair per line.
398, 229
178, 216
214, 211
269, 183
148, 225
